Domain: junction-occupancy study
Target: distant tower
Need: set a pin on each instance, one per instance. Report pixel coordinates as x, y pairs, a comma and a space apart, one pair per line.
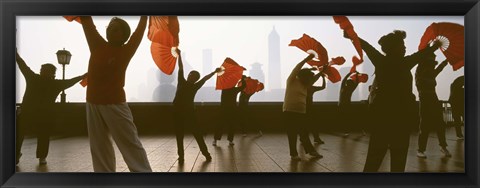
257, 73
274, 71
207, 65
165, 92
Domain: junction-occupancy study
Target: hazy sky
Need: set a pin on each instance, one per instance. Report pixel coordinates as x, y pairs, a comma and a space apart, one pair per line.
243, 38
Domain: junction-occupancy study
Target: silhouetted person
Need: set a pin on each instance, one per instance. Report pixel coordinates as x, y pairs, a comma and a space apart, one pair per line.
184, 108
457, 101
243, 107
228, 112
108, 113
431, 112
393, 104
295, 109
344, 102
37, 108
314, 129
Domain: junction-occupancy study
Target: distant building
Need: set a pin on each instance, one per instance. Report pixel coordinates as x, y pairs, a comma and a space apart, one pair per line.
256, 72
274, 71
165, 92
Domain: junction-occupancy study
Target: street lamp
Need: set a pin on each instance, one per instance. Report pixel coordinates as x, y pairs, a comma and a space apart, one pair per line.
63, 57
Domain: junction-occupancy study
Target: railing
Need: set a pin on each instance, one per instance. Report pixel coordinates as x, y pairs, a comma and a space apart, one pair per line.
154, 117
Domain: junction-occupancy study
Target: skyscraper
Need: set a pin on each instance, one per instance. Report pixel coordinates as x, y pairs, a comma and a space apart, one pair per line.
274, 72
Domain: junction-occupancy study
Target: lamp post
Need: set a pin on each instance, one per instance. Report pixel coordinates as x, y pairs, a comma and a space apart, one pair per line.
63, 57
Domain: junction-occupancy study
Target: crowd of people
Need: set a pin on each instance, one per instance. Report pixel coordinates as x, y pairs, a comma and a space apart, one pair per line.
108, 114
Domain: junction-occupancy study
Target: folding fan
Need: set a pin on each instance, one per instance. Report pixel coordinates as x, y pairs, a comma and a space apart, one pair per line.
354, 68
362, 78
84, 81
260, 86
312, 46
164, 57
163, 32
71, 18
251, 87
164, 29
332, 73
337, 61
451, 36
347, 27
230, 75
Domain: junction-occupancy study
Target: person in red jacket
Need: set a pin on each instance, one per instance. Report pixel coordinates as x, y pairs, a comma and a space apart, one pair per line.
107, 110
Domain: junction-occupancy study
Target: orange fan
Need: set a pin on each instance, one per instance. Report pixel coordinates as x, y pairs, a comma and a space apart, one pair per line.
164, 57
251, 87
347, 27
84, 81
260, 86
312, 46
362, 78
230, 75
332, 74
163, 32
451, 35
71, 18
164, 29
354, 68
337, 61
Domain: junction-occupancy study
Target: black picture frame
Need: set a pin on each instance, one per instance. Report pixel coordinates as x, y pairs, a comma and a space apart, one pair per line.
470, 9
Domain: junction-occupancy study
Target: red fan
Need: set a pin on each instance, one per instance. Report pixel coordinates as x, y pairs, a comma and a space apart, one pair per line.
230, 75
260, 86
71, 18
362, 78
163, 32
312, 46
337, 61
332, 74
164, 57
164, 29
347, 26
354, 68
84, 81
251, 87
451, 35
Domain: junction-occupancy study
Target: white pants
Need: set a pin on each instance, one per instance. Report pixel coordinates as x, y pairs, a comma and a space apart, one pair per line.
115, 120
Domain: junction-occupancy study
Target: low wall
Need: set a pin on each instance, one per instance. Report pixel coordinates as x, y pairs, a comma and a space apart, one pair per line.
157, 118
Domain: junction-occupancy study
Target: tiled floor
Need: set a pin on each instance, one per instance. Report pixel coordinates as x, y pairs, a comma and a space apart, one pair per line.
253, 153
